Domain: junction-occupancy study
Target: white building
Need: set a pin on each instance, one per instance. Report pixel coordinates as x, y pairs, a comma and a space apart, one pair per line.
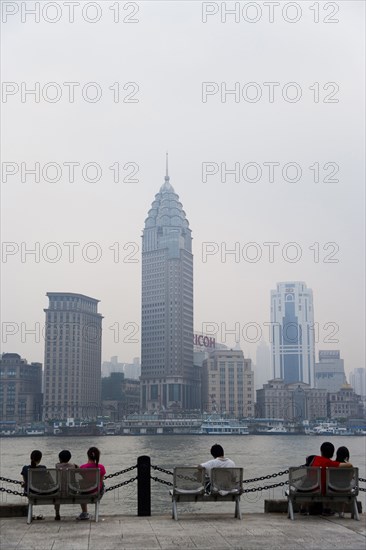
292, 333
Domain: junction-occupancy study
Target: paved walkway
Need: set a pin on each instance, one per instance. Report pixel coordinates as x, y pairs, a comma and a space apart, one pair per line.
200, 531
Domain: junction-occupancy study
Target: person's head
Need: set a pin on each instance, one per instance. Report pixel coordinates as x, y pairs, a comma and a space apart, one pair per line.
309, 460
217, 450
64, 456
94, 454
36, 457
327, 449
342, 454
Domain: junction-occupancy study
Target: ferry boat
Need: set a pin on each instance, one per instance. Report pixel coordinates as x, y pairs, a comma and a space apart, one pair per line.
276, 430
35, 431
222, 426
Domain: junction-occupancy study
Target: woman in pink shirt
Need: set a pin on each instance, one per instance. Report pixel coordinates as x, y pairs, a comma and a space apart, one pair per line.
93, 462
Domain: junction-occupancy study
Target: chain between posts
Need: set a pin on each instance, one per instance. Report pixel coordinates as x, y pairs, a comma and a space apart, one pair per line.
10, 492
10, 480
121, 484
121, 472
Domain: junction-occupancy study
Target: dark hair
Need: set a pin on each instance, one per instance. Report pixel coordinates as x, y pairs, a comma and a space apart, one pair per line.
64, 456
327, 449
36, 457
94, 454
217, 450
309, 460
342, 454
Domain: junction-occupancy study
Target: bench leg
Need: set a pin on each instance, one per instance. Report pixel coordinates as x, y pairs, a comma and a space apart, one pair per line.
237, 508
355, 514
30, 510
175, 511
290, 510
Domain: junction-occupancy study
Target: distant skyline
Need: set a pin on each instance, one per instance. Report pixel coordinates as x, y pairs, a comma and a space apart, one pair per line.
177, 67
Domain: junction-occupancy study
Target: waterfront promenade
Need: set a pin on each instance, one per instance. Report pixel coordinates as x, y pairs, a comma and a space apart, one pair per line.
199, 531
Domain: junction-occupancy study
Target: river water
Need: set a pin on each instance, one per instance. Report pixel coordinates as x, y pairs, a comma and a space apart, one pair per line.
259, 455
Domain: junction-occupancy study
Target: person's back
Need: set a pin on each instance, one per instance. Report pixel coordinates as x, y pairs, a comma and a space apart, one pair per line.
36, 457
64, 464
218, 461
325, 461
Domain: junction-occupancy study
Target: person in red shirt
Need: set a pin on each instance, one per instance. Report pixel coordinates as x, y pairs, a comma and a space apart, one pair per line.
325, 461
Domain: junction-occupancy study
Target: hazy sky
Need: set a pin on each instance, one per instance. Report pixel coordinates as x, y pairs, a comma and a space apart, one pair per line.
150, 76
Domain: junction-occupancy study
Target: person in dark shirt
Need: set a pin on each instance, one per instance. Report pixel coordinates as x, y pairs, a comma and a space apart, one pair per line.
35, 457
64, 464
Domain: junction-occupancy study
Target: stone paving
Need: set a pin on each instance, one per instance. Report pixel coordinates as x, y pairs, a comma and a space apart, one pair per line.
200, 531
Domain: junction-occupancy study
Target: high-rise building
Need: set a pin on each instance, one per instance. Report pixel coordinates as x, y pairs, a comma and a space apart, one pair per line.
357, 379
292, 333
168, 379
228, 384
20, 389
72, 374
262, 367
329, 371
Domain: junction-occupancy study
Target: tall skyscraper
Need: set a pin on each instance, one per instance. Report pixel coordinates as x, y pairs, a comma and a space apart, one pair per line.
72, 373
292, 326
167, 375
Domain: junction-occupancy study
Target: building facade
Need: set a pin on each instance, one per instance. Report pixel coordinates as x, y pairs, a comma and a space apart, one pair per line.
228, 384
20, 389
168, 379
72, 374
345, 404
292, 333
329, 371
291, 402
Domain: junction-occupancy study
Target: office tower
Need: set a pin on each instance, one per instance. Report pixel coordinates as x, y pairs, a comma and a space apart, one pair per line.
167, 375
262, 368
329, 371
228, 384
20, 389
72, 377
292, 333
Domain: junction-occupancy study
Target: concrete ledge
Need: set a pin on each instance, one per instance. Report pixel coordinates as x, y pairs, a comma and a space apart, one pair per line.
280, 507
13, 510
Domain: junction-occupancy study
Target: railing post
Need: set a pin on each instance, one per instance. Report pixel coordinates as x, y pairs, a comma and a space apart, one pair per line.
143, 486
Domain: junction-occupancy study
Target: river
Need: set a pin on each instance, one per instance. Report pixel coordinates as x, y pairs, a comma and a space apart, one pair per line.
259, 455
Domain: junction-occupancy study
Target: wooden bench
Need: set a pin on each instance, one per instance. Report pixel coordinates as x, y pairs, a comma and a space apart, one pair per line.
73, 486
226, 484
334, 486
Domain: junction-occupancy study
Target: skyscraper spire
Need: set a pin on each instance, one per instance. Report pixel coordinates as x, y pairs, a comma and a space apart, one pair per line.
166, 167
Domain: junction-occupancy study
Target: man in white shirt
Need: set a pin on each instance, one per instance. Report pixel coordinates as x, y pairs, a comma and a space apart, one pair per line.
218, 461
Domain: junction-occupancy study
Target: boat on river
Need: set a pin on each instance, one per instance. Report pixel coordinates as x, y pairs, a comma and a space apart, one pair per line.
216, 425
